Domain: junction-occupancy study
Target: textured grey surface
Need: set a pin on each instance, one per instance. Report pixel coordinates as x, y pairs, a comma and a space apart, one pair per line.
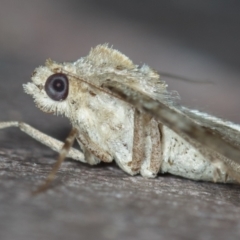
103, 202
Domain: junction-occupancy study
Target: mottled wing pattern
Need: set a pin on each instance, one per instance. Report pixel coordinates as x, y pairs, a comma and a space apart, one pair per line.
207, 133
229, 132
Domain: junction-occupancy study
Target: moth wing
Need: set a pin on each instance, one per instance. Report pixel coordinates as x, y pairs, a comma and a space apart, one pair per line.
206, 133
228, 131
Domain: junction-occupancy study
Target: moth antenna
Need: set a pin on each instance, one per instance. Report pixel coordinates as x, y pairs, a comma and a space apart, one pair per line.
184, 79
62, 155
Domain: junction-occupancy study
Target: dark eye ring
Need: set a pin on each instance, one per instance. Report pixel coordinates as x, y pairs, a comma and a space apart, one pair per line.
56, 86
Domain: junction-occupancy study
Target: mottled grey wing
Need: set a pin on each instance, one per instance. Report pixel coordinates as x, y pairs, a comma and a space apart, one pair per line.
184, 123
229, 132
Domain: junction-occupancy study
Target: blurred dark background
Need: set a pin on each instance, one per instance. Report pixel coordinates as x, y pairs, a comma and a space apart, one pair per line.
190, 38
194, 39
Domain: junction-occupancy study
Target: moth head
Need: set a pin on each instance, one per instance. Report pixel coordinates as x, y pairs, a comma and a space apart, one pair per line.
49, 88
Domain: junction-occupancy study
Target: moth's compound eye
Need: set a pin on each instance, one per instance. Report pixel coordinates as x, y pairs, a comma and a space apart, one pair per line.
56, 86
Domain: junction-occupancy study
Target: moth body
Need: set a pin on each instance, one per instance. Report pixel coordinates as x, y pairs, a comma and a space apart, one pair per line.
109, 128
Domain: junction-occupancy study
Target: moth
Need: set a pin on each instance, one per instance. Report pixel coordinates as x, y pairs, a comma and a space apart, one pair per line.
123, 112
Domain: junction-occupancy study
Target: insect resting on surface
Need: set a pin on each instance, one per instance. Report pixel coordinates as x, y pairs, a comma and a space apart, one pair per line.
120, 111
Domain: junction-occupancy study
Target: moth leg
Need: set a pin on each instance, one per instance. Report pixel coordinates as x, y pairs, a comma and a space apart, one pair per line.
153, 154
92, 152
221, 171
224, 169
52, 143
62, 155
89, 157
146, 153
139, 135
